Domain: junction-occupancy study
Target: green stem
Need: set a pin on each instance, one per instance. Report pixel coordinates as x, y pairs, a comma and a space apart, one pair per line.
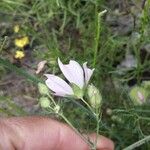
76, 131
88, 105
3, 43
97, 131
52, 99
97, 120
138, 143
64, 22
57, 2
97, 127
98, 31
97, 36
69, 123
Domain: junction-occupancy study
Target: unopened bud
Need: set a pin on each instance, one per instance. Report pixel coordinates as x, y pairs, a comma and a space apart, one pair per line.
117, 119
109, 111
43, 89
95, 97
57, 109
138, 95
44, 102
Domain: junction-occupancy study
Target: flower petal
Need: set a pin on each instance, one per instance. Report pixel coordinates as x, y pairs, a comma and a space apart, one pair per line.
73, 72
87, 72
58, 85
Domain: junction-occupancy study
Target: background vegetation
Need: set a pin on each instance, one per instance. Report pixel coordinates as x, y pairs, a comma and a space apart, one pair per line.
116, 45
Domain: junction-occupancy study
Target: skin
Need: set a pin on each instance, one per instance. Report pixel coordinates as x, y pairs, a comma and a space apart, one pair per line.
30, 133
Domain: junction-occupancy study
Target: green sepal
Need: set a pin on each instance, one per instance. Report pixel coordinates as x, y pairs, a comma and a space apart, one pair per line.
78, 92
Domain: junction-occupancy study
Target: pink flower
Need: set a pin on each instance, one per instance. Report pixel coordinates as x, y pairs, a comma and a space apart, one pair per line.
74, 73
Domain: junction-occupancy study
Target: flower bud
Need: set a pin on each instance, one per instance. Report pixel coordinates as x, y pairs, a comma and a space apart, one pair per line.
109, 111
95, 97
138, 95
43, 89
116, 119
57, 109
44, 102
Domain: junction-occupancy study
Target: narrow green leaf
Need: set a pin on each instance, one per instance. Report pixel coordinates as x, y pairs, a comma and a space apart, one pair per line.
19, 71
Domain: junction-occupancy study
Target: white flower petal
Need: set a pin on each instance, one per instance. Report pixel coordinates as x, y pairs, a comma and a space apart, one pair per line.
73, 72
60, 94
58, 85
87, 72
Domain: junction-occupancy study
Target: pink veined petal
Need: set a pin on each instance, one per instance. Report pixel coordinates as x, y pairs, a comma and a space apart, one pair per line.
73, 72
87, 73
58, 85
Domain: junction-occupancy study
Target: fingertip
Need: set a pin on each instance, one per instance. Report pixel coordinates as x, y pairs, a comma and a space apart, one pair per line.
103, 143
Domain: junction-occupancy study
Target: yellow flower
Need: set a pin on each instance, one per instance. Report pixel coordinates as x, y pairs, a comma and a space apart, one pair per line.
22, 42
16, 28
19, 54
